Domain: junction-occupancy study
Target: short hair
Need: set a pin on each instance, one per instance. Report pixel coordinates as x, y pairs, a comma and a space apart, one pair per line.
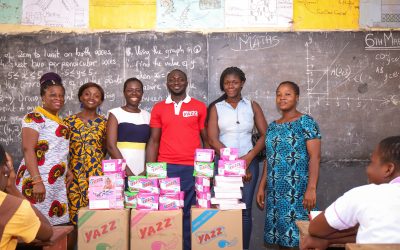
231, 71
88, 85
177, 70
48, 80
132, 79
2, 156
293, 85
389, 150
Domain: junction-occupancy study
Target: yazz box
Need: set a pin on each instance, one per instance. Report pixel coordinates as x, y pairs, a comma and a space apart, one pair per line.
213, 229
103, 229
156, 230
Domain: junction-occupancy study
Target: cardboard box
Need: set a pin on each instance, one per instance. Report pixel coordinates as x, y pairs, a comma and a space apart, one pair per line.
103, 229
156, 230
213, 229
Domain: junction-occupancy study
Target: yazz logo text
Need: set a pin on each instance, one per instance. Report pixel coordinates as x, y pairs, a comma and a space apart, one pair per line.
189, 113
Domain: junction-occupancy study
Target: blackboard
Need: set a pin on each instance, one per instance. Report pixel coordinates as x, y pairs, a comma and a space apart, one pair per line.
105, 58
349, 82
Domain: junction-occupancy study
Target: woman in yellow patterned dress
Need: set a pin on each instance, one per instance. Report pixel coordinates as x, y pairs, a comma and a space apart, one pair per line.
87, 145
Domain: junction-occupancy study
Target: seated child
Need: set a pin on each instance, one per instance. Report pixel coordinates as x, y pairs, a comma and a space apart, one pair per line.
18, 218
373, 208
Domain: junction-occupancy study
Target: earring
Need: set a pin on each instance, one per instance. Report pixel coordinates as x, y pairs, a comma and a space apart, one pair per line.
81, 105
98, 109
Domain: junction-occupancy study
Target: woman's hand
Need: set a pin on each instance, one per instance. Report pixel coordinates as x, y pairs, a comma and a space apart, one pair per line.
260, 198
248, 159
310, 199
39, 192
248, 176
69, 178
128, 171
11, 174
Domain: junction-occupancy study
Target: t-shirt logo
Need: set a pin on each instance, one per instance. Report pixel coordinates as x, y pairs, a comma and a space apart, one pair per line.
189, 113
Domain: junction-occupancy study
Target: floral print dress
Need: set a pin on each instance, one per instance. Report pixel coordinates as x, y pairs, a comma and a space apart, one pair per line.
86, 151
51, 152
287, 178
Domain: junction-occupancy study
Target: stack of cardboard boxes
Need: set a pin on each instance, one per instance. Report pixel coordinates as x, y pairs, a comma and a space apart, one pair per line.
147, 228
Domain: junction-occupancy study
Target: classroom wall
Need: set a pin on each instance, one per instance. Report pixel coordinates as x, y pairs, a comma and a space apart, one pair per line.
99, 18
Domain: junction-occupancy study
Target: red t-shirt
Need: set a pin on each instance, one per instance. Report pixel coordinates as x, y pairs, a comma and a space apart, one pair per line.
180, 134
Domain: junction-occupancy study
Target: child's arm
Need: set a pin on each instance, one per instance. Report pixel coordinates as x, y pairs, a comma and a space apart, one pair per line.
322, 234
310, 242
319, 227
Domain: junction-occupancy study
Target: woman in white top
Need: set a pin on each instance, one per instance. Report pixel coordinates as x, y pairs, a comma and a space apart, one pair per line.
128, 129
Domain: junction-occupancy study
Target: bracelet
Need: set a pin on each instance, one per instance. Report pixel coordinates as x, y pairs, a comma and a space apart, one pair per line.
36, 182
36, 176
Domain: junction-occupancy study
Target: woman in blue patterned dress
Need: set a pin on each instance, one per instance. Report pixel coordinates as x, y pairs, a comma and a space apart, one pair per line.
293, 145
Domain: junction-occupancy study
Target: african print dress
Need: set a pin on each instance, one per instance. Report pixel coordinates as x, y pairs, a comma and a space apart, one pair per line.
51, 153
287, 178
86, 151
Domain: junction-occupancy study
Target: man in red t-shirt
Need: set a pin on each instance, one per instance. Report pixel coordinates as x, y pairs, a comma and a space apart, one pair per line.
176, 127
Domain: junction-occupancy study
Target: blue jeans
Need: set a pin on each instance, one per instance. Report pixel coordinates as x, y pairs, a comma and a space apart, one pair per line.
247, 197
185, 173
248, 194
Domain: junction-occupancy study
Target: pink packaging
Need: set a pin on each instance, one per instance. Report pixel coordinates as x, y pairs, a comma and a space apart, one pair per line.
106, 204
121, 174
113, 165
203, 199
105, 198
182, 198
147, 201
204, 155
232, 168
149, 186
202, 184
108, 181
170, 201
229, 154
105, 194
170, 185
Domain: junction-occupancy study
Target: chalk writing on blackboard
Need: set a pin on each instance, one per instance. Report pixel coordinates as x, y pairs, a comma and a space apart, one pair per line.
105, 58
382, 41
